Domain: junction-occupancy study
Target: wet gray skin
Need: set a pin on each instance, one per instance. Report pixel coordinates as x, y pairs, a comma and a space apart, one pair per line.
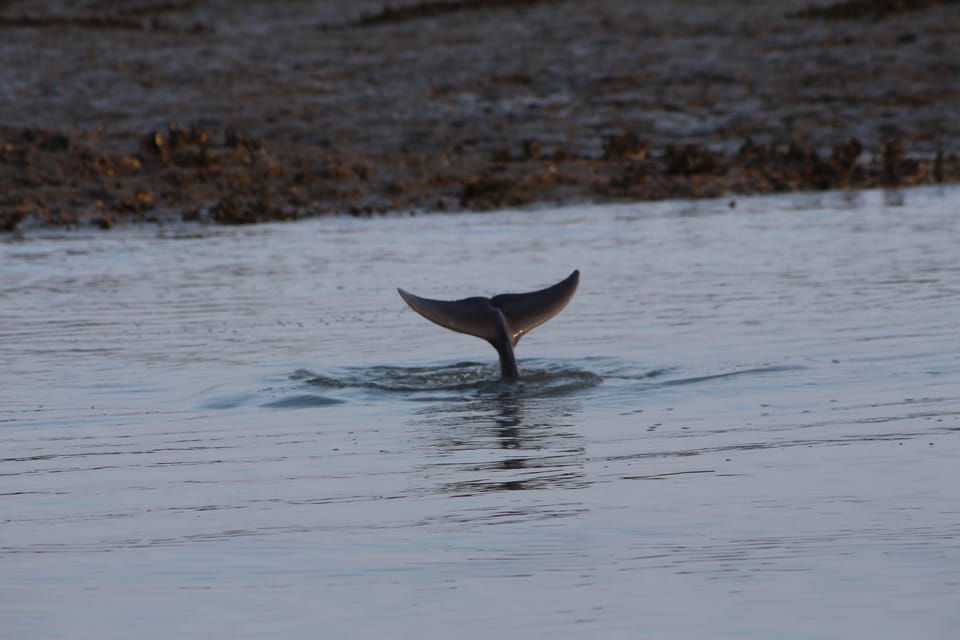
501, 320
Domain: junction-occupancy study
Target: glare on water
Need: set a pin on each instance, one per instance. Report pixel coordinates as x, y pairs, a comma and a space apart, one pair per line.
744, 425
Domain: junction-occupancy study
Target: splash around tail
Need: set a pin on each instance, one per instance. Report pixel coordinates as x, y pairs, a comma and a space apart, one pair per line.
501, 320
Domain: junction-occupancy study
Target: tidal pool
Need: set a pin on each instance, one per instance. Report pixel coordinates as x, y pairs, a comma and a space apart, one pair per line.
745, 425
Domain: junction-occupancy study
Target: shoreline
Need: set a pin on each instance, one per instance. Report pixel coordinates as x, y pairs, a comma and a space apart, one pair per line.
357, 108
193, 176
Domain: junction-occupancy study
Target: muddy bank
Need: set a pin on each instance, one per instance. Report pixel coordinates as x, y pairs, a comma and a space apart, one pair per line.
238, 112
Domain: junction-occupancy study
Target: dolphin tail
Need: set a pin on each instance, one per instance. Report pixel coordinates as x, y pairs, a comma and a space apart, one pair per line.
501, 320
526, 311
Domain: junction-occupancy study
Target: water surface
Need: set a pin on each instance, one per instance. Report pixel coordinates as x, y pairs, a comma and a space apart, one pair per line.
745, 425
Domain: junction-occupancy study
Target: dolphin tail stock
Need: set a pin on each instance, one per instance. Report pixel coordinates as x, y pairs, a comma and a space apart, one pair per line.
501, 320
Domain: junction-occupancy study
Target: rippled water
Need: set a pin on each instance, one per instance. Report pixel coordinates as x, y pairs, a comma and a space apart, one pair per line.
745, 425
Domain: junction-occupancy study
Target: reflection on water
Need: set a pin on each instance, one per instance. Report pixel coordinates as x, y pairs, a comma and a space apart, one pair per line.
507, 440
744, 425
483, 434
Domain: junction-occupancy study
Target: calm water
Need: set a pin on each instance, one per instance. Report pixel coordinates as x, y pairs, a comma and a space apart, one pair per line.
745, 425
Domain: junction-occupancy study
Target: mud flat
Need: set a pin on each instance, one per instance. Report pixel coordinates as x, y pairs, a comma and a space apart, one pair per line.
239, 112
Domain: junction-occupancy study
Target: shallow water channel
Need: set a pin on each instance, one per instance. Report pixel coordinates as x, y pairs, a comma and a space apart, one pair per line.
745, 425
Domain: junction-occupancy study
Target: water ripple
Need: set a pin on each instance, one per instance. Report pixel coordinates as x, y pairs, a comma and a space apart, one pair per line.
542, 378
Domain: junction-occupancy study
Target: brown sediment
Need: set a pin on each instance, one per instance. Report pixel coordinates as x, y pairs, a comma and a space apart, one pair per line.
230, 178
443, 105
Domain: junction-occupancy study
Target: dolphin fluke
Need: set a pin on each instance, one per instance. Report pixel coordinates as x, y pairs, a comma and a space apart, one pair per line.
501, 320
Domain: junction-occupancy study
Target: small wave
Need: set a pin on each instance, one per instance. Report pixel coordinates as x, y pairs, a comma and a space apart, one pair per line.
540, 378
455, 377
270, 398
730, 374
301, 401
228, 402
557, 380
460, 378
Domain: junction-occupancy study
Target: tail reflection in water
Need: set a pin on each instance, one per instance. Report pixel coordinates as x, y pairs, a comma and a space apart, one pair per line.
475, 437
510, 440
